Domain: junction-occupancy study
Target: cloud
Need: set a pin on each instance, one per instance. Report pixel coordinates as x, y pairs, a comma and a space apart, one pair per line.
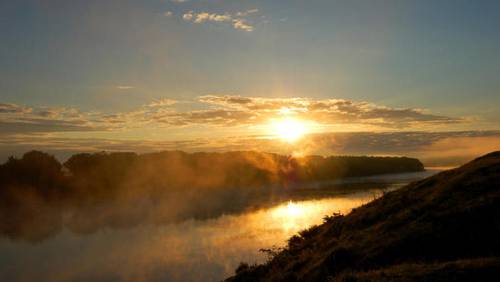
237, 19
241, 24
223, 111
220, 117
168, 13
204, 16
13, 108
247, 12
45, 119
330, 111
188, 16
433, 148
162, 102
454, 150
22, 119
124, 87
43, 125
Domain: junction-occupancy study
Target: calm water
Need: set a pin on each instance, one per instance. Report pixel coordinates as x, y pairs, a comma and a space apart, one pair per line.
193, 250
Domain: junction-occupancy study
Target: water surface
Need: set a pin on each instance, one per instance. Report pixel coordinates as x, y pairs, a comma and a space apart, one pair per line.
192, 250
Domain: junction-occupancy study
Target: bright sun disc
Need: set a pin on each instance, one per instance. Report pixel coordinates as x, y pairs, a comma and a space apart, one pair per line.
289, 129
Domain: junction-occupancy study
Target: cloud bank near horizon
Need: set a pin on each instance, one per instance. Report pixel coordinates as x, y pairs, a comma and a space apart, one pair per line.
221, 111
231, 122
433, 148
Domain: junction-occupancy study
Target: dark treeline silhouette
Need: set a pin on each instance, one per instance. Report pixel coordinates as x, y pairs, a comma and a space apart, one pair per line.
443, 228
39, 195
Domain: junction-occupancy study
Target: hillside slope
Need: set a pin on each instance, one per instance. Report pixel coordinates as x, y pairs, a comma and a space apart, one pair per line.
445, 227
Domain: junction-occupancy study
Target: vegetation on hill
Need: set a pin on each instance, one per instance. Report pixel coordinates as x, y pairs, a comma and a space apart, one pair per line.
443, 228
38, 195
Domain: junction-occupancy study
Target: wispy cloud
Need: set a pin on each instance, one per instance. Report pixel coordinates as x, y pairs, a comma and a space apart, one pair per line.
237, 20
21, 119
13, 108
329, 111
164, 102
222, 111
242, 24
188, 16
247, 12
49, 120
124, 87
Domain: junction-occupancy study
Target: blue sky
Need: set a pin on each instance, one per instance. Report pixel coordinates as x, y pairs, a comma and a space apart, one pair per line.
69, 65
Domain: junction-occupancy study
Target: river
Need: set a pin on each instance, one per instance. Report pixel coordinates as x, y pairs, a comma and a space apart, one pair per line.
192, 250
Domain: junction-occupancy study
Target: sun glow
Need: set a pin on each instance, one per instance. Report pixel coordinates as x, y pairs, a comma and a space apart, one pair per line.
288, 129
293, 210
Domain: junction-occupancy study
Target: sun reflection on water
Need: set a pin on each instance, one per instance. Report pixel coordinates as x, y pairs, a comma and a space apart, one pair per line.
192, 250
291, 217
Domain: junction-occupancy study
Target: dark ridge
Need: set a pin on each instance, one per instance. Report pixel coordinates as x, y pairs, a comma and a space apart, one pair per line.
495, 154
443, 228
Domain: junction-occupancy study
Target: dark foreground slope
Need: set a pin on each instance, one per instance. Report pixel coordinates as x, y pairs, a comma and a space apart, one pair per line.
443, 228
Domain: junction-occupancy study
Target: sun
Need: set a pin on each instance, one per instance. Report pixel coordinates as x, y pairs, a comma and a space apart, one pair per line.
288, 129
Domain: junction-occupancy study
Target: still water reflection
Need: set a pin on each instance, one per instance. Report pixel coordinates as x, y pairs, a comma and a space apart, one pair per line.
193, 250
205, 250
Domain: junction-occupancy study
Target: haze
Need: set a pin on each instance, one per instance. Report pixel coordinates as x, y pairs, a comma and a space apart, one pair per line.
257, 140
153, 75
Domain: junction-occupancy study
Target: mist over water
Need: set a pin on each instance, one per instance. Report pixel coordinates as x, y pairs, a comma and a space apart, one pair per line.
193, 250
190, 250
40, 197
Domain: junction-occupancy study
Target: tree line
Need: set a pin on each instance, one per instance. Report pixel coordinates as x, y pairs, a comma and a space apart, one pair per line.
39, 195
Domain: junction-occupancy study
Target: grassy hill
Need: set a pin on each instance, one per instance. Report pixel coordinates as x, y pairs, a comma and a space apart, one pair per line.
443, 228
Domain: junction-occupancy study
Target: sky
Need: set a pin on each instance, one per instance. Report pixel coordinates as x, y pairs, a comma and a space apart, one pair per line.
135, 72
